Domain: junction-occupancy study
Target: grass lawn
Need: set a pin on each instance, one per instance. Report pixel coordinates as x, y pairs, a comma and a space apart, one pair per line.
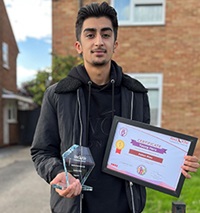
158, 202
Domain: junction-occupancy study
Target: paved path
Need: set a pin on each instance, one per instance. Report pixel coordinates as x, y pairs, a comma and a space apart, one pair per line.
22, 190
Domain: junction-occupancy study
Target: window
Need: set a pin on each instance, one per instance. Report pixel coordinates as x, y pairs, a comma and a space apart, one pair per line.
153, 82
12, 112
5, 55
140, 12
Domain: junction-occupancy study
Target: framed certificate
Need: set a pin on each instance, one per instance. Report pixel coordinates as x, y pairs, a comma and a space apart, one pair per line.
147, 155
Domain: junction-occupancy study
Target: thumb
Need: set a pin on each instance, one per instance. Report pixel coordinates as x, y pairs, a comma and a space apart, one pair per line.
59, 178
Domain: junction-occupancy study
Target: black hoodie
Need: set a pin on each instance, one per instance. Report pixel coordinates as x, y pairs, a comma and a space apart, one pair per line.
59, 126
103, 103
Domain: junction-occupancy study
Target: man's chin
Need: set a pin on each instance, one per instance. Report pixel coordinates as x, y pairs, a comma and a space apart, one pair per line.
100, 63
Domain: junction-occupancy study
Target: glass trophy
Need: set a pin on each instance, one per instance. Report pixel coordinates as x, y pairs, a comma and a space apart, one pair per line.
78, 161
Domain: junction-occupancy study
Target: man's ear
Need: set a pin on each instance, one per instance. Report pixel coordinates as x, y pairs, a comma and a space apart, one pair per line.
115, 46
78, 47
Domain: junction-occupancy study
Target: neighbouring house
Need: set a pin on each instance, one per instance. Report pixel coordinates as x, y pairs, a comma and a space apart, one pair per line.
159, 44
10, 101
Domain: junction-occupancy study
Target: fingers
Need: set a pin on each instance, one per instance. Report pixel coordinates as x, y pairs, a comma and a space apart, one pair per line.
72, 190
191, 158
186, 174
190, 167
191, 164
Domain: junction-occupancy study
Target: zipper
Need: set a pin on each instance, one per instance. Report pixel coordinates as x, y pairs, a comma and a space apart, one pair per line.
132, 99
132, 197
130, 183
79, 113
81, 200
80, 139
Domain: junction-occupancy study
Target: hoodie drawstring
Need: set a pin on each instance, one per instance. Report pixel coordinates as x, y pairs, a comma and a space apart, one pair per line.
88, 110
113, 97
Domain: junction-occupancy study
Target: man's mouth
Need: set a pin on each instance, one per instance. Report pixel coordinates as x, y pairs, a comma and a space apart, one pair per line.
98, 51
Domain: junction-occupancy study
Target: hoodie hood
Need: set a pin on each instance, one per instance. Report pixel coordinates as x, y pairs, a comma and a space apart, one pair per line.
78, 77
79, 73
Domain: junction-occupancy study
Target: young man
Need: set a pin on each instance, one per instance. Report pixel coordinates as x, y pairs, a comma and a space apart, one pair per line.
79, 110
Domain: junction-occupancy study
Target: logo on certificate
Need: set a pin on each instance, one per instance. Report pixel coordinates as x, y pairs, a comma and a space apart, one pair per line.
119, 146
141, 170
123, 132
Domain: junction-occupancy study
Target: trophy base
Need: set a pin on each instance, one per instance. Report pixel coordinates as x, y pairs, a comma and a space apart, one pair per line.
87, 188
59, 186
63, 186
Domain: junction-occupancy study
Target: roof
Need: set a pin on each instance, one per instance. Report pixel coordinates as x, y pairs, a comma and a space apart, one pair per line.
6, 94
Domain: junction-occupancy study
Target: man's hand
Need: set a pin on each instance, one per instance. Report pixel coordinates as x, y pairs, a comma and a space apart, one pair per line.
72, 190
191, 164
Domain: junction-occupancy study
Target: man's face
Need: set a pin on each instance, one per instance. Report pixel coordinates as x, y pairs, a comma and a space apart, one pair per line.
97, 42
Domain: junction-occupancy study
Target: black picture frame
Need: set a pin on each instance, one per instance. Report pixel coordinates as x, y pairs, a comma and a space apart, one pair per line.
177, 138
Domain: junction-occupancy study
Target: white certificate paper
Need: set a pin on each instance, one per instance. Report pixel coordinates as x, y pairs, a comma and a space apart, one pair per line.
148, 156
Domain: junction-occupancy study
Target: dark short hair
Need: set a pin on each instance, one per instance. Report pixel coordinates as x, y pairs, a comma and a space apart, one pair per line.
96, 10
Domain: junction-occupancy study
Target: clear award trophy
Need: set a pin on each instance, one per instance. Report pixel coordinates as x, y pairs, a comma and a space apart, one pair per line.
78, 161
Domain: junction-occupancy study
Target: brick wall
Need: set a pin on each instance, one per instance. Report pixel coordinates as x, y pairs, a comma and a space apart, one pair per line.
7, 76
1, 113
63, 23
172, 49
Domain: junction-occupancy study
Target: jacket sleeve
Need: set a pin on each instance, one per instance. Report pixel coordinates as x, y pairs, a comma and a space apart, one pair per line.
45, 149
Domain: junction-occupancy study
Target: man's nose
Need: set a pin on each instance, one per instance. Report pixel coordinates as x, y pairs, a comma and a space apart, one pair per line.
98, 40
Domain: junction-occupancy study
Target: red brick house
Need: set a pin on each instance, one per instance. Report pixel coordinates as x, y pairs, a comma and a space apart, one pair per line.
159, 43
9, 99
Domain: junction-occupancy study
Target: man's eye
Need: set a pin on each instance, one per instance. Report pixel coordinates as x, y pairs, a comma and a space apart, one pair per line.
90, 35
106, 35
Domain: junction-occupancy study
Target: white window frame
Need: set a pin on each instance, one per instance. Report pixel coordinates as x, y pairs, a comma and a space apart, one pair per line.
12, 111
152, 81
5, 55
134, 4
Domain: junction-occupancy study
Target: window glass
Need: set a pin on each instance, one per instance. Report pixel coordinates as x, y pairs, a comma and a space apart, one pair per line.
148, 13
5, 55
153, 95
123, 9
12, 111
153, 82
140, 12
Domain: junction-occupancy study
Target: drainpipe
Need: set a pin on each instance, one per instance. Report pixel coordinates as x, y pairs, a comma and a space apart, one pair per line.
80, 2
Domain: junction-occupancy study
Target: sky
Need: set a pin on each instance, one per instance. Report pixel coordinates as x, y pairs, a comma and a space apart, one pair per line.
31, 24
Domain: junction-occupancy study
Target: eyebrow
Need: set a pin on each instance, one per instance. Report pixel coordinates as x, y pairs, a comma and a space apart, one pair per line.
94, 29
